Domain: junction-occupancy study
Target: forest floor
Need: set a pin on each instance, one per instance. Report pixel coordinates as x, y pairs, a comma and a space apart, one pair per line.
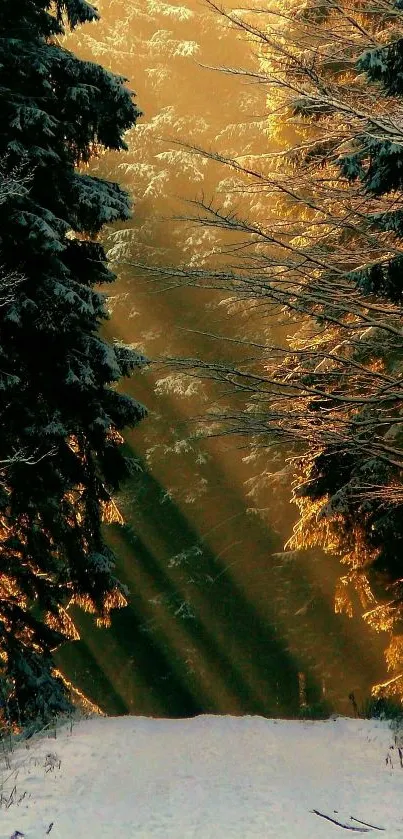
209, 777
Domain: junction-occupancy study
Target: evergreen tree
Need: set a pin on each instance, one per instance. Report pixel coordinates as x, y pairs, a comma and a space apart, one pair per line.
61, 450
377, 160
369, 527
320, 235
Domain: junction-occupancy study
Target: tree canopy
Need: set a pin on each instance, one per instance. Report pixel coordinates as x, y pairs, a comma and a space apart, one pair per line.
317, 242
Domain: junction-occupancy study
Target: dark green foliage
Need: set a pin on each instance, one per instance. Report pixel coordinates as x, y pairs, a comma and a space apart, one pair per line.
377, 163
59, 409
381, 708
320, 710
385, 66
337, 474
378, 160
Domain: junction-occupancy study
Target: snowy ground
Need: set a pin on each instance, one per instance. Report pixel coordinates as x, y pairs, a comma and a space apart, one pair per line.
204, 778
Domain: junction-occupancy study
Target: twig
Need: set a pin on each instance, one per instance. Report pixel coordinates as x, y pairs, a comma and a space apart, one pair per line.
10, 800
340, 824
367, 824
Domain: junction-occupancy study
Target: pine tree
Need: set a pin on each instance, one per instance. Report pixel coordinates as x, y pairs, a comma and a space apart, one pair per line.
320, 235
61, 452
377, 160
370, 529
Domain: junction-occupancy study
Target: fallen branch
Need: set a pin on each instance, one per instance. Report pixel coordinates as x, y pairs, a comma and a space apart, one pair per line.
340, 824
374, 826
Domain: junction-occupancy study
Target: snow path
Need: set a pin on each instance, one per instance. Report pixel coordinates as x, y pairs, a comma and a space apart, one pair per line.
206, 778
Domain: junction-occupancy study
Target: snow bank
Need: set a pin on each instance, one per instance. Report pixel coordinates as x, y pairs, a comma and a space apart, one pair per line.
205, 778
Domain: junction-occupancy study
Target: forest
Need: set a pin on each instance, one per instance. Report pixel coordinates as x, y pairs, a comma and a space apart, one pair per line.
201, 496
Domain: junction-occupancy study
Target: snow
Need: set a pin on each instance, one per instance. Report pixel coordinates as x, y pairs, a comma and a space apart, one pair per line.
209, 777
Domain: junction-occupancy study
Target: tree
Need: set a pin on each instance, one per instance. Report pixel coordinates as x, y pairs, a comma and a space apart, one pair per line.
320, 240
60, 412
